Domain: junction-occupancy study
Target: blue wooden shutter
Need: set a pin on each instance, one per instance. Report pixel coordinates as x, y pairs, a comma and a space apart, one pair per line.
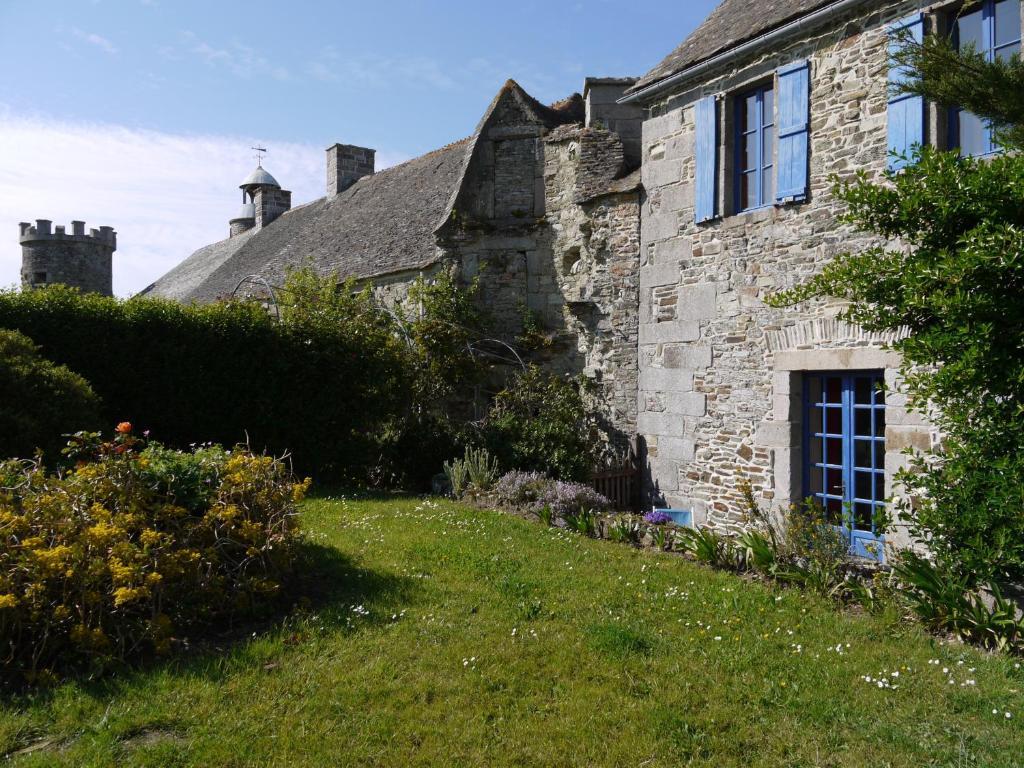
706, 156
793, 122
906, 113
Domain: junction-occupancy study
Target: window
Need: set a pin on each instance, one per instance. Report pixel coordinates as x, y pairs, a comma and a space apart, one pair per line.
844, 453
771, 137
755, 148
39, 278
993, 28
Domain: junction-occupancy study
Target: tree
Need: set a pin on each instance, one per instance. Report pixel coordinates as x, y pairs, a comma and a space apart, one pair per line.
952, 278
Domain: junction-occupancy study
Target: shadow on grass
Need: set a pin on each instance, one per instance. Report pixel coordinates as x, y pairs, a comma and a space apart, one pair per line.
318, 598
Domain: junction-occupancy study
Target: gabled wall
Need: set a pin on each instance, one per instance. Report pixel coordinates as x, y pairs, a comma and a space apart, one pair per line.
539, 223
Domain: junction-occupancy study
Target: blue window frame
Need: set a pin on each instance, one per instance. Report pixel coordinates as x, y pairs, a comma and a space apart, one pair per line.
993, 29
755, 148
844, 453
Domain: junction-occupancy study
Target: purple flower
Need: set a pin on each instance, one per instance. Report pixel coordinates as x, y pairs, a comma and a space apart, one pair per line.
657, 518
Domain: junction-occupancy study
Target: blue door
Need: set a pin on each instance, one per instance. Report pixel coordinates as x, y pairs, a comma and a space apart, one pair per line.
844, 453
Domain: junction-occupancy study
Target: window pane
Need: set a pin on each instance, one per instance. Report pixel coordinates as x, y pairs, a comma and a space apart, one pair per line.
862, 517
880, 422
767, 185
1008, 51
834, 450
863, 485
816, 450
862, 422
750, 199
1007, 22
969, 30
768, 146
862, 453
973, 134
750, 156
879, 454
863, 389
834, 421
750, 115
879, 486
768, 107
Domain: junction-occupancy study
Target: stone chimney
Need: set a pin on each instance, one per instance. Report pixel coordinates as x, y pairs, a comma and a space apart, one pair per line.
601, 95
346, 165
270, 203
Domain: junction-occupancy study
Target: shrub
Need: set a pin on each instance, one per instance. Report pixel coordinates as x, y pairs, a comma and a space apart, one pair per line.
539, 494
539, 423
134, 546
567, 499
476, 470
518, 488
39, 400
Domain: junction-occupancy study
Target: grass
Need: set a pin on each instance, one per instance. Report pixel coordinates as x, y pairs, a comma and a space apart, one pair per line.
447, 636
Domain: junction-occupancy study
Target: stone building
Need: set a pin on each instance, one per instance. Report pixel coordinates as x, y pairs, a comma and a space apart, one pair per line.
653, 281
53, 255
745, 123
541, 205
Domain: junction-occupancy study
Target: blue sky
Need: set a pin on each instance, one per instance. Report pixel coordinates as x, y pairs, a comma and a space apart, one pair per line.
142, 112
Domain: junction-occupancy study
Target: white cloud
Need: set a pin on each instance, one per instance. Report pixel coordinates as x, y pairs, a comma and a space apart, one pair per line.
165, 194
93, 39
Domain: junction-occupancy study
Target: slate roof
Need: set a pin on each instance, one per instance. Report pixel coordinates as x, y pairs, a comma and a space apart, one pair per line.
181, 282
382, 224
731, 23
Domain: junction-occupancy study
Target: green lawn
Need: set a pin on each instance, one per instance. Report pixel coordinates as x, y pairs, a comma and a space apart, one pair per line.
448, 636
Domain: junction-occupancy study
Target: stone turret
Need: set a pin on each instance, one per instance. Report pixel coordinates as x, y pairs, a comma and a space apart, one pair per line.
75, 259
263, 200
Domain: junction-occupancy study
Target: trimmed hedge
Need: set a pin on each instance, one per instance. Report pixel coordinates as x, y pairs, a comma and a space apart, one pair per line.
226, 373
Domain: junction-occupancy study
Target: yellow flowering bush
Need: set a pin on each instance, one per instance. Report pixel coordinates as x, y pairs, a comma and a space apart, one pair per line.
134, 546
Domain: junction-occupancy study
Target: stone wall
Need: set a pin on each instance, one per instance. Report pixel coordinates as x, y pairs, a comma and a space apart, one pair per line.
716, 402
548, 229
589, 288
75, 259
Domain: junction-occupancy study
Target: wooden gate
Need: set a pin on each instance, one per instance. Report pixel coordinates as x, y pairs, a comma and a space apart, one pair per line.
620, 484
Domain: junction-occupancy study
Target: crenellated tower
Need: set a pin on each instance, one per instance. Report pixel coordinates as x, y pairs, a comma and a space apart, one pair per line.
51, 255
